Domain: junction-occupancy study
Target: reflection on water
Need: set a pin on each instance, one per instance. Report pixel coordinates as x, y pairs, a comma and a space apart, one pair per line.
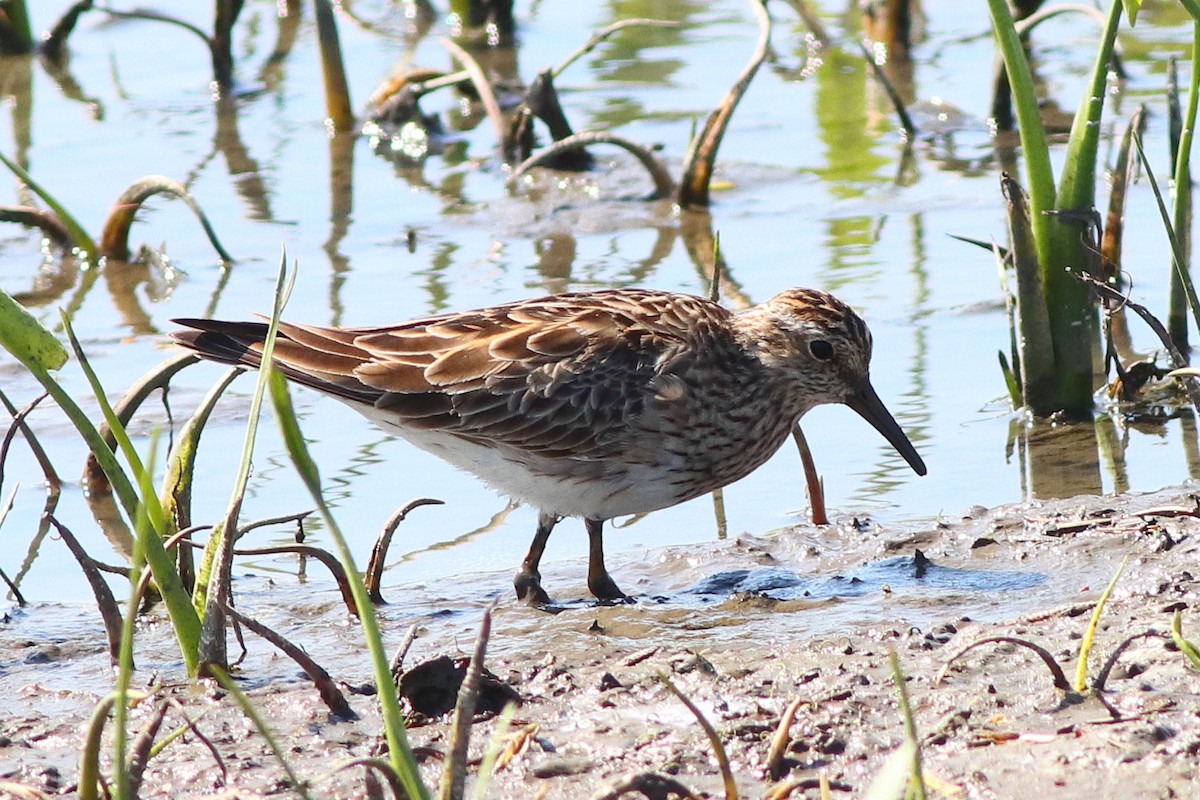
815, 187
891, 573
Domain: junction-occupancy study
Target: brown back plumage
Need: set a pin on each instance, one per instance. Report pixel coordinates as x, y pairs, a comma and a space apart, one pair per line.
556, 375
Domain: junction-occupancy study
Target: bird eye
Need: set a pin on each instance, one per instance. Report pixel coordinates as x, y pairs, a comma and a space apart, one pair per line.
821, 349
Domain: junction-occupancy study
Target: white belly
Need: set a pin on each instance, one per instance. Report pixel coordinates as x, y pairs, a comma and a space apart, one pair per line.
565, 487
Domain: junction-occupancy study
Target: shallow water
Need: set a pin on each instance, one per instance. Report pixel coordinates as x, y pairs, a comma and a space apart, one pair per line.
816, 191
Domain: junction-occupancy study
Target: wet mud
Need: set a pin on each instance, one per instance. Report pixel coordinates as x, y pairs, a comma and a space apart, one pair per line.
743, 628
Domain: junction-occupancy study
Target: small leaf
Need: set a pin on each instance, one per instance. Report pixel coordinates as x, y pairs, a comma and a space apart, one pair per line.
1132, 7
1189, 650
23, 336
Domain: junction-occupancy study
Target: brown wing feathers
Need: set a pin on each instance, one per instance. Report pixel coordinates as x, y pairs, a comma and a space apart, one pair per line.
543, 375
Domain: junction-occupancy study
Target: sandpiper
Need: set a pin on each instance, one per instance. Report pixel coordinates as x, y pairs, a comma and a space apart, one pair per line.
590, 404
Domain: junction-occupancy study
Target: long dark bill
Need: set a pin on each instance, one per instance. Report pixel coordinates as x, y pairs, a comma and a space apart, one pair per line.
872, 409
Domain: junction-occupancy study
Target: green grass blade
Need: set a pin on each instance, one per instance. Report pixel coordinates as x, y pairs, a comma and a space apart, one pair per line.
916, 776
1177, 255
184, 620
1085, 646
1039, 172
83, 243
144, 531
89, 753
1189, 650
283, 289
495, 745
222, 677
399, 752
153, 508
37, 358
23, 336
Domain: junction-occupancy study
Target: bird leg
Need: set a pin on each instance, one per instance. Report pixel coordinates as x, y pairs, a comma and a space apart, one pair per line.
528, 582
600, 582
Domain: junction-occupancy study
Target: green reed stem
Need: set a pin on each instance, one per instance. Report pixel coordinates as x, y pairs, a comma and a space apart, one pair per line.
1085, 645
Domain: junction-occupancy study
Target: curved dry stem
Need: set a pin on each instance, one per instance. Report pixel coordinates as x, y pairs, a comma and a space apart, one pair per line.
189, 724
114, 240
648, 784
326, 558
480, 82
375, 564
779, 741
141, 747
816, 487
1102, 676
53, 482
154, 16
906, 122
1056, 672
110, 611
702, 154
731, 791
663, 186
454, 771
606, 32
326, 687
379, 765
49, 224
1026, 25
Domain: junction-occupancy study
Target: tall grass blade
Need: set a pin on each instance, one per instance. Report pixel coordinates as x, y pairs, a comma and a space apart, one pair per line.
208, 599
916, 782
495, 745
1181, 210
399, 752
338, 111
83, 243
1089, 636
1189, 650
1039, 380
184, 621
1176, 252
222, 677
144, 531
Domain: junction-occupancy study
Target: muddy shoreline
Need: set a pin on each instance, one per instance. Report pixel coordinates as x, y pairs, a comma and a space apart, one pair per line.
595, 710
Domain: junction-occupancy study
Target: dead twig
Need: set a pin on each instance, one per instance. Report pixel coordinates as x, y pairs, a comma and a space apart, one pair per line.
1190, 385
330, 694
373, 577
663, 185
816, 486
648, 784
702, 154
1056, 672
480, 82
454, 771
731, 790
776, 768
110, 612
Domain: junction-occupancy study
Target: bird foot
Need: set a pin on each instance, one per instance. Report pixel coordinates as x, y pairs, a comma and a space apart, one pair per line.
529, 589
605, 589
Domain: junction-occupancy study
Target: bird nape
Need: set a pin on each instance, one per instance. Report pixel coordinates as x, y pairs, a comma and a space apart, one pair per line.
591, 404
